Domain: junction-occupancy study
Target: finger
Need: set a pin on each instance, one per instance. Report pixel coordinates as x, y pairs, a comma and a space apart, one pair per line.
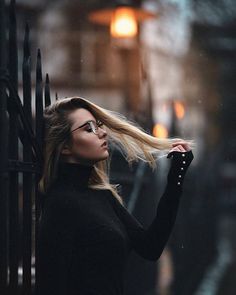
184, 144
176, 149
182, 149
179, 148
180, 143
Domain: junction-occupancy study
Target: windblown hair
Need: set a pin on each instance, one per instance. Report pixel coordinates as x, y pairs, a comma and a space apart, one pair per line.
130, 138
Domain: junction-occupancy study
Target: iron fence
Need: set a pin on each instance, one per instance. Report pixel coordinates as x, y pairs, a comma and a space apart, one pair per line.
21, 136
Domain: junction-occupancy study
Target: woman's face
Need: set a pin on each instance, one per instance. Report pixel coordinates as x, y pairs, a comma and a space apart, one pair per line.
85, 147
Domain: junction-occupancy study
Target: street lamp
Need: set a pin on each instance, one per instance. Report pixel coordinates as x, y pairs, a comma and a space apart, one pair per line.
123, 18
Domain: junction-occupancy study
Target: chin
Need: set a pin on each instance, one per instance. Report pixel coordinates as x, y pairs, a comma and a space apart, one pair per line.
103, 157
106, 155
91, 160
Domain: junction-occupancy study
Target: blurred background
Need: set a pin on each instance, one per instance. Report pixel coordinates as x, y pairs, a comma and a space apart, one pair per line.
170, 65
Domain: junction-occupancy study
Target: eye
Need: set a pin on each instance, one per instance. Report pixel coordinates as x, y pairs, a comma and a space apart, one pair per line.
88, 128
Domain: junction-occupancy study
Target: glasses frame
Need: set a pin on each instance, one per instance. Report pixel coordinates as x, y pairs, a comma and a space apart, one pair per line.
93, 125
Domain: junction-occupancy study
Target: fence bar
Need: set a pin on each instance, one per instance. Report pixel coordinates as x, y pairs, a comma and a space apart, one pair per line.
13, 154
3, 154
39, 135
29, 167
13, 53
39, 100
26, 124
26, 74
47, 92
27, 177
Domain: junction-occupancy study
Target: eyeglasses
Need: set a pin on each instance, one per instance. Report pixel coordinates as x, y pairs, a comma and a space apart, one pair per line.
92, 125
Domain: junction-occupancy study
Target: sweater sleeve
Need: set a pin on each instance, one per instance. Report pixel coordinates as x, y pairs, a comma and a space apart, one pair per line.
56, 242
149, 243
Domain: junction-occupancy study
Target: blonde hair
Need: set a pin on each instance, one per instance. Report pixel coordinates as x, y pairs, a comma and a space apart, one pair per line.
132, 140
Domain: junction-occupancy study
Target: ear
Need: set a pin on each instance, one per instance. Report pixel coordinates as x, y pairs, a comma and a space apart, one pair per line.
66, 150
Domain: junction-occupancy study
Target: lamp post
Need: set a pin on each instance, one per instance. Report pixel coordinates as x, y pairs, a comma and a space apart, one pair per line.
123, 18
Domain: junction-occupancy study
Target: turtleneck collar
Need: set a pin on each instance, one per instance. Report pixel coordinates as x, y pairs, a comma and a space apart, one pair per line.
74, 174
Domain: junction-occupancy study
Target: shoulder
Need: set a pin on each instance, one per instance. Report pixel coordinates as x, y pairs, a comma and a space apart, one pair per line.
59, 210
113, 199
60, 200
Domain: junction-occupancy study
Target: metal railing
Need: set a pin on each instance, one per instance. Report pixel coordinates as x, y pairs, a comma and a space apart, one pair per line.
21, 137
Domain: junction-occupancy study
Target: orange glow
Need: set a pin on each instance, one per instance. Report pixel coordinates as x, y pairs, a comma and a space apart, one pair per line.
160, 131
123, 23
179, 110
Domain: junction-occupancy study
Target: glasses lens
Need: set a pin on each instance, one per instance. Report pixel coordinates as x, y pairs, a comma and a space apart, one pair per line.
94, 126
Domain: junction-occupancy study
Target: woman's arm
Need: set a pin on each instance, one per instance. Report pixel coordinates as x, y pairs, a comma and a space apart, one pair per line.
149, 243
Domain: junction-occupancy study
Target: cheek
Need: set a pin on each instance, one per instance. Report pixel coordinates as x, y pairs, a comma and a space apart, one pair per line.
86, 147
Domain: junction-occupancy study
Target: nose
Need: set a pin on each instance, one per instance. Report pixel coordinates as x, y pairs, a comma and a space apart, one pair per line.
102, 133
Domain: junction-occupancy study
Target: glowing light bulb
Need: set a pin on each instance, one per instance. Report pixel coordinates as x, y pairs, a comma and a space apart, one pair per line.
123, 23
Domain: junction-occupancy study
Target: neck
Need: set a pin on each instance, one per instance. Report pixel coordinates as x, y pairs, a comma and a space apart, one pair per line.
74, 174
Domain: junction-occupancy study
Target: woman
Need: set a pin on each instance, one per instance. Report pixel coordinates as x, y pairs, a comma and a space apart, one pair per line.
86, 233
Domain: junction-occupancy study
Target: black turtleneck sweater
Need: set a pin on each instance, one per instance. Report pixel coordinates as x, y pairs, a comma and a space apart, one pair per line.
86, 235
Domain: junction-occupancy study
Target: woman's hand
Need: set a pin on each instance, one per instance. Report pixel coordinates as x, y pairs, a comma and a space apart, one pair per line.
182, 158
180, 146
